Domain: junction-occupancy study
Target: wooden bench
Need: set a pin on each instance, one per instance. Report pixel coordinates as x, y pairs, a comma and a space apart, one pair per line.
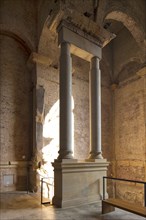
108, 205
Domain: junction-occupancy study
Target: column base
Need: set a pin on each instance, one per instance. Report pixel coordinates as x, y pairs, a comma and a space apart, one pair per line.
96, 155
59, 160
78, 183
65, 155
58, 202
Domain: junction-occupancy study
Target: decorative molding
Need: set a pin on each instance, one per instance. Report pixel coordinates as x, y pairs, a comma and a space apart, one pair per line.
84, 166
80, 46
13, 164
81, 22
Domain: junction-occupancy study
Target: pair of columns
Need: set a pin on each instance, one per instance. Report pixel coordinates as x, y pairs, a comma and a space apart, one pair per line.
65, 151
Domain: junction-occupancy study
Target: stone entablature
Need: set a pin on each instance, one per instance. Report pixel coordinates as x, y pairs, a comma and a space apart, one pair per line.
79, 24
79, 45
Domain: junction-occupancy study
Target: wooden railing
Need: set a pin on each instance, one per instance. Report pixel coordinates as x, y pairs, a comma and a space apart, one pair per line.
109, 204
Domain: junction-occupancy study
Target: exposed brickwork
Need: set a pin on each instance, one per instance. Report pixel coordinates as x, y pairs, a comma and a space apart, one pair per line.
129, 121
16, 100
130, 139
19, 17
16, 104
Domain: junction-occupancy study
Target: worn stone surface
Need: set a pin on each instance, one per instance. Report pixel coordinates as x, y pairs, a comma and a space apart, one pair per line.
11, 204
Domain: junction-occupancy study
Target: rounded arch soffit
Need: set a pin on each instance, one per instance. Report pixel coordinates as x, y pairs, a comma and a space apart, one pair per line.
129, 23
24, 44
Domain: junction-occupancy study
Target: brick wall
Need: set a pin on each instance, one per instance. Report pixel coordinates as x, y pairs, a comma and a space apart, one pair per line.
16, 105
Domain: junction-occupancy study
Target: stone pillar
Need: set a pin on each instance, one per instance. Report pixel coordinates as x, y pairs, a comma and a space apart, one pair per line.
95, 109
65, 151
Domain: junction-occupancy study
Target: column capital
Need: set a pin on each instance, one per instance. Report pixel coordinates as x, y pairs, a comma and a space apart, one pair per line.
39, 58
95, 62
65, 48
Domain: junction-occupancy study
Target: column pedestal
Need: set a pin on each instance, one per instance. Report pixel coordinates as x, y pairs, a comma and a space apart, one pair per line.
78, 183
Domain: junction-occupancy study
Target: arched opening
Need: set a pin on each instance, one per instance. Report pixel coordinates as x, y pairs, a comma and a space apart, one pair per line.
129, 23
126, 38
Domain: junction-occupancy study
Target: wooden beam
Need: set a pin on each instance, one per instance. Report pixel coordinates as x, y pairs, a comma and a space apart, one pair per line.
125, 205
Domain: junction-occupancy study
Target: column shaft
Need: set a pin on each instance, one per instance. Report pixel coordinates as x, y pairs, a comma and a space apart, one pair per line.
95, 109
65, 151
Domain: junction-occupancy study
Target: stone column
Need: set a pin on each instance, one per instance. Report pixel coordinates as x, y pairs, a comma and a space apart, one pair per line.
95, 109
65, 151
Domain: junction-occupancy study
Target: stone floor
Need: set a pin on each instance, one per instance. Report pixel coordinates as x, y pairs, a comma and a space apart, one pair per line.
28, 207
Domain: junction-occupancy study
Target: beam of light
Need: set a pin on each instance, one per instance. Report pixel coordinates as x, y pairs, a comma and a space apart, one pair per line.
50, 150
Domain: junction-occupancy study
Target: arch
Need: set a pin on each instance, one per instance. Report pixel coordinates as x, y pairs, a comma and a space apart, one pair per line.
45, 10
22, 42
129, 23
48, 45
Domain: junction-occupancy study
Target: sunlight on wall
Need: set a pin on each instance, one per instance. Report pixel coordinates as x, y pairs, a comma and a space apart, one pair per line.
50, 150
